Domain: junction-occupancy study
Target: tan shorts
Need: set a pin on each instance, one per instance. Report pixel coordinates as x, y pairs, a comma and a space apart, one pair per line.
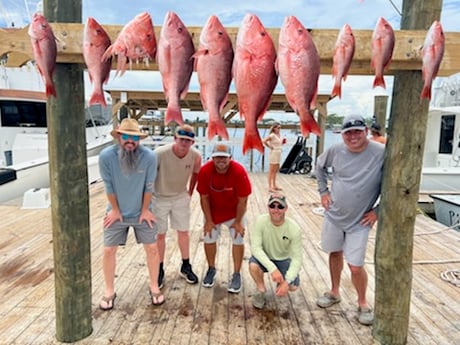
274, 157
174, 209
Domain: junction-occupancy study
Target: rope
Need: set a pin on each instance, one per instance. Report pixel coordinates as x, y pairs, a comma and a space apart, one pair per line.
451, 276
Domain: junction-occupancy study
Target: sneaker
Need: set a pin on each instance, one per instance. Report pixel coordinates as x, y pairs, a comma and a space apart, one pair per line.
258, 300
327, 300
234, 285
161, 277
365, 316
187, 273
210, 278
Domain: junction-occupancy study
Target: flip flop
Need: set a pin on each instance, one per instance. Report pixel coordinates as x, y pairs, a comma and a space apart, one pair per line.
109, 301
157, 298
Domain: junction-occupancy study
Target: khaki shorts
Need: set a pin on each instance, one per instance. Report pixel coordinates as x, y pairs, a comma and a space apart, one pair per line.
353, 242
174, 209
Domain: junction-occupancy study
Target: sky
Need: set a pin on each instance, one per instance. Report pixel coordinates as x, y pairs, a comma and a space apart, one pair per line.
357, 92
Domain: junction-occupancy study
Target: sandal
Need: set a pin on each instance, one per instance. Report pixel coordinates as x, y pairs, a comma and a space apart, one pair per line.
157, 298
109, 301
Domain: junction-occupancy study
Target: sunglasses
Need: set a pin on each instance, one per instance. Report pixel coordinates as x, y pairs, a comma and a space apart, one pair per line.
278, 206
354, 123
127, 136
187, 134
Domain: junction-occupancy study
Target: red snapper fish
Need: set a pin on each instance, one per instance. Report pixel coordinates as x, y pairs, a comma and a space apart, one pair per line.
95, 43
432, 53
44, 49
136, 41
383, 42
343, 55
175, 62
298, 65
255, 77
213, 63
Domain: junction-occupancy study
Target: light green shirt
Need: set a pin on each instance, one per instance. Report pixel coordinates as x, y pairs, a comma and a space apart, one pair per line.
270, 242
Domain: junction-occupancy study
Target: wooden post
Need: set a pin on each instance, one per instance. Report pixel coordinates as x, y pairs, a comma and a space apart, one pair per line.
320, 140
380, 111
69, 190
402, 169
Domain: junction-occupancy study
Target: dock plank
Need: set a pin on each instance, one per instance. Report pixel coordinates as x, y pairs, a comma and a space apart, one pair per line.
193, 314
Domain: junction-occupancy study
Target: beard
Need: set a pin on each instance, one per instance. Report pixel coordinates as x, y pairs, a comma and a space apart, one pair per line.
128, 160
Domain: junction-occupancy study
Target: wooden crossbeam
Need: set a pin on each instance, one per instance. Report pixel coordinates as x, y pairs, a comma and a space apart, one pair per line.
15, 43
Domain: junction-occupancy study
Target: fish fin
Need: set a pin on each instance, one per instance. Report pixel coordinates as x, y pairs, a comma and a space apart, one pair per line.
379, 81
97, 98
337, 90
50, 89
173, 114
216, 126
309, 126
426, 92
252, 141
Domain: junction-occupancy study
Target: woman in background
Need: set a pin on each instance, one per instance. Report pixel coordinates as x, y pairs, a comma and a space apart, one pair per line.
274, 142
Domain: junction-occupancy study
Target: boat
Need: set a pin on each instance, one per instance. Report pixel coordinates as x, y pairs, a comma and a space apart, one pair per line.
24, 139
447, 209
441, 157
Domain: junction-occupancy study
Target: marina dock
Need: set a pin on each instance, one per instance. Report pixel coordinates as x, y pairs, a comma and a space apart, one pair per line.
193, 314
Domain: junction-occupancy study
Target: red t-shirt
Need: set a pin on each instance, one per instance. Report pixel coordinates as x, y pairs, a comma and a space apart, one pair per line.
223, 190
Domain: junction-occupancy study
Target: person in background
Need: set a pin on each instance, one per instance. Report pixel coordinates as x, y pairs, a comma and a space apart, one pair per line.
128, 170
356, 165
276, 248
224, 188
178, 166
376, 134
274, 142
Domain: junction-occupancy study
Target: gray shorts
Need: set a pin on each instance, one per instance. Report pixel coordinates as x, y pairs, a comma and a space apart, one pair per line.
176, 209
215, 233
353, 242
117, 233
282, 265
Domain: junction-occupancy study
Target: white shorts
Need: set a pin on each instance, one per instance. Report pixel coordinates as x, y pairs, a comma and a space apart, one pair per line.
353, 243
176, 209
215, 233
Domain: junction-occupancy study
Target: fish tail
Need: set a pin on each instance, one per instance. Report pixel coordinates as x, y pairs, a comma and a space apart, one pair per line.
97, 98
309, 126
426, 92
337, 90
50, 89
252, 141
379, 81
217, 127
173, 114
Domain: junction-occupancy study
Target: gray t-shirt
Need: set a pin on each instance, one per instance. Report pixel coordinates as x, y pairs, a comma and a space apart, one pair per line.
355, 185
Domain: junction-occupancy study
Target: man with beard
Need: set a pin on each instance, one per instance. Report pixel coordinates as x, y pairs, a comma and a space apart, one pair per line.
224, 188
128, 170
178, 166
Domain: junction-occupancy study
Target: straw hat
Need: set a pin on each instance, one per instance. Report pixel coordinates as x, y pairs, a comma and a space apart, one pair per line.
130, 127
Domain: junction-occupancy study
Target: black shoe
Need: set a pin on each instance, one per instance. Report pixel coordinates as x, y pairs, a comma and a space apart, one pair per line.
161, 277
187, 273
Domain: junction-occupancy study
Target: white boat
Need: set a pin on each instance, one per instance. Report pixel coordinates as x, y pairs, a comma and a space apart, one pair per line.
441, 158
24, 140
447, 209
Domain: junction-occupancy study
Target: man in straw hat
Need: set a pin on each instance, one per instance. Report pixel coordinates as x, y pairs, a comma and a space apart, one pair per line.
128, 170
276, 248
224, 188
178, 166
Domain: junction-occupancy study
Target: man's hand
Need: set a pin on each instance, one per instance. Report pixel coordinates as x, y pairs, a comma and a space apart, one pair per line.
369, 218
148, 217
326, 200
239, 229
207, 229
111, 217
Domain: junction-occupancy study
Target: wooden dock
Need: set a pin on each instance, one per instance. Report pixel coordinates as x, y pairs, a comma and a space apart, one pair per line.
193, 314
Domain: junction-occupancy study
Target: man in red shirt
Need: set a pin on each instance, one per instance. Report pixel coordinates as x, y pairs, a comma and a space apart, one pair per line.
224, 188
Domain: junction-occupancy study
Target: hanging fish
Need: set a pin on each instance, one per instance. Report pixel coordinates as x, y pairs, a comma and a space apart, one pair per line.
383, 42
44, 49
343, 56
